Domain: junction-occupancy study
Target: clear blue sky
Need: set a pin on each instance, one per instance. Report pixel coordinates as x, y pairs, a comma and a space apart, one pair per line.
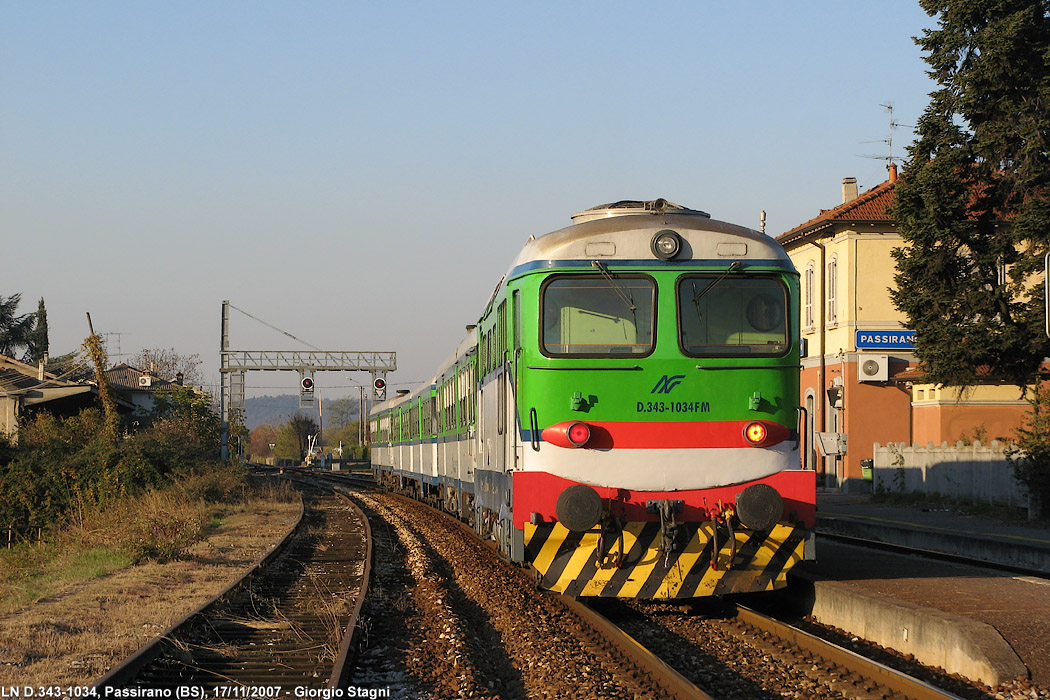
361, 174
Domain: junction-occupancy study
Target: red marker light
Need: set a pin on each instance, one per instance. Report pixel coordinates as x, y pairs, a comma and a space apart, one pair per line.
579, 434
756, 433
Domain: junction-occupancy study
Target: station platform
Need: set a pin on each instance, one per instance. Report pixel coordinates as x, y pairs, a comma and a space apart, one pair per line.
984, 537
988, 626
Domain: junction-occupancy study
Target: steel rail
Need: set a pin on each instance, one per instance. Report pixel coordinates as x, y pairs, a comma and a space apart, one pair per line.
646, 663
931, 554
352, 633
134, 667
656, 669
126, 671
902, 685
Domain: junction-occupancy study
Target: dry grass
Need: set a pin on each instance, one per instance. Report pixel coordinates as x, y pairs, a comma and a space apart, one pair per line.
73, 607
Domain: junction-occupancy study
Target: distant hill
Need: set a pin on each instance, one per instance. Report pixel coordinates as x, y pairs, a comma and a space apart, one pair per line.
275, 410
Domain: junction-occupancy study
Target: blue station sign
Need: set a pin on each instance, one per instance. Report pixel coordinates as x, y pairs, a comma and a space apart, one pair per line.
885, 340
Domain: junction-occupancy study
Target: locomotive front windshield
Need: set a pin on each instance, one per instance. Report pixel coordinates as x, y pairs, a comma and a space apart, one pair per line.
592, 316
721, 315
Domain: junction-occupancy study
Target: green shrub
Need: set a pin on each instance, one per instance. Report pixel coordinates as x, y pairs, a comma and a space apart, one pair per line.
65, 468
1030, 456
163, 527
215, 483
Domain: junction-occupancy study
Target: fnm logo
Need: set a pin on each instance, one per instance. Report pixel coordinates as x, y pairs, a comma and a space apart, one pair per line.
666, 384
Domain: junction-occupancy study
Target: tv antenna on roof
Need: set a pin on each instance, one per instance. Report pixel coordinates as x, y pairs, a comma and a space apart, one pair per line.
105, 341
889, 139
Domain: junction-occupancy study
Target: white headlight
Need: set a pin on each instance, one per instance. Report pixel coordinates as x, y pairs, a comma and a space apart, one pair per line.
666, 244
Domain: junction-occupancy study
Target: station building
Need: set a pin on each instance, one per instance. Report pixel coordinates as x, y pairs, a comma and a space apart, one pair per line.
859, 380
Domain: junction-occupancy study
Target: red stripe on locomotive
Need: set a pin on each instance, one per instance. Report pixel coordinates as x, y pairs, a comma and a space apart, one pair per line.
537, 492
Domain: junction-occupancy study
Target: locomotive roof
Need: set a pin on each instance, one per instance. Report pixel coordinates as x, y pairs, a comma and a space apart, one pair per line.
627, 238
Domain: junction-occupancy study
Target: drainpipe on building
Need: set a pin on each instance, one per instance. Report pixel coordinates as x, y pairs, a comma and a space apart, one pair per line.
822, 367
840, 423
909, 389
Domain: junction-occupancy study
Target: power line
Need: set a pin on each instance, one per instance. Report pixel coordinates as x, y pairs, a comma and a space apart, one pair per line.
270, 325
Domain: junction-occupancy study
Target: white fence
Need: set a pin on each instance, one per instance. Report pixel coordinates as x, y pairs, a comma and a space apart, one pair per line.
975, 472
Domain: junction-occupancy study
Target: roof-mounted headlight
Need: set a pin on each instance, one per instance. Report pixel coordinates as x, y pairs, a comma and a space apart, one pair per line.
666, 244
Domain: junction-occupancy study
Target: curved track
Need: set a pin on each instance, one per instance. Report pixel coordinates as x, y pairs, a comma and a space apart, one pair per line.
819, 668
288, 624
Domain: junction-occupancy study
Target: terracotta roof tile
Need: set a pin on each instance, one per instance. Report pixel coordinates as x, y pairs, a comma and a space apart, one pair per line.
869, 206
124, 376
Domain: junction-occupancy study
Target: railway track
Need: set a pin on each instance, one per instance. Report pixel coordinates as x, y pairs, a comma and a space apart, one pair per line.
735, 652
287, 625
932, 554
451, 619
456, 614
851, 673
805, 666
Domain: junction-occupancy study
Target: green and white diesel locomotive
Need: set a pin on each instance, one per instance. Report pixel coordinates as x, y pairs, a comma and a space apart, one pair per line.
624, 417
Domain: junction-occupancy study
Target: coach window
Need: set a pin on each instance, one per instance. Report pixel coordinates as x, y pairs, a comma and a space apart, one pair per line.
517, 321
732, 316
597, 315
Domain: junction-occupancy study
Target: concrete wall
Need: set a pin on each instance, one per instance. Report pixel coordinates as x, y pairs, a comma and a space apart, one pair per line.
10, 410
976, 472
952, 642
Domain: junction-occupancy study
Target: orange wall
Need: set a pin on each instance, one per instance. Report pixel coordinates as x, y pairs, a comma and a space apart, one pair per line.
872, 412
947, 423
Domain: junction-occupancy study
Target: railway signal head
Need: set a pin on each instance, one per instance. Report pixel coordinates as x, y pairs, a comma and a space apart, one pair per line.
379, 385
307, 384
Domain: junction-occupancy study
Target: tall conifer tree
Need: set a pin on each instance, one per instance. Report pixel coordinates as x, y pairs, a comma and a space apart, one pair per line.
38, 343
973, 201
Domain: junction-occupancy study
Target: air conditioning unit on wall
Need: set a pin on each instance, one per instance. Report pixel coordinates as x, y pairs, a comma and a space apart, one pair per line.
146, 380
873, 368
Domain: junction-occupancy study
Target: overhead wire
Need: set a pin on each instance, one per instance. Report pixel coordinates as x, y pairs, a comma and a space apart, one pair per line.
270, 325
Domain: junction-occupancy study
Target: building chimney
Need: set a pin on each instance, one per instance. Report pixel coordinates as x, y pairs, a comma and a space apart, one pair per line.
849, 189
893, 171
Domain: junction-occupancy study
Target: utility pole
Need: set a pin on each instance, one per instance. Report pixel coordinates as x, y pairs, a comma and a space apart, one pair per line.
224, 398
93, 345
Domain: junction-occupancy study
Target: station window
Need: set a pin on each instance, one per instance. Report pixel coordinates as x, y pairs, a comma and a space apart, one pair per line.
833, 290
732, 316
597, 316
809, 296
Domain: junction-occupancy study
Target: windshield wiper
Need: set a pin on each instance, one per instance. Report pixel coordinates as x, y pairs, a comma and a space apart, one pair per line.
625, 296
697, 297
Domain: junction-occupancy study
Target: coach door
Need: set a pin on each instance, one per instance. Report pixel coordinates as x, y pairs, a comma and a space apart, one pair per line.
514, 378
502, 385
